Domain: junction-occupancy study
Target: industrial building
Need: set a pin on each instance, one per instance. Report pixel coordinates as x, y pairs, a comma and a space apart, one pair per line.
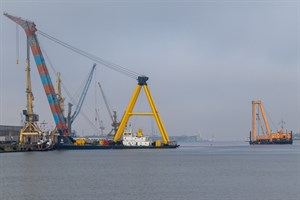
9, 133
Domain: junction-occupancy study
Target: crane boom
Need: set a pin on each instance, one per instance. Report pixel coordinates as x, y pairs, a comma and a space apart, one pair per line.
115, 124
83, 95
106, 103
259, 103
30, 29
265, 120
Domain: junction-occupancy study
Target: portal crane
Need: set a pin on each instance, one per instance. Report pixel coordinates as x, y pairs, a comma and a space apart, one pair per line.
71, 118
30, 30
30, 131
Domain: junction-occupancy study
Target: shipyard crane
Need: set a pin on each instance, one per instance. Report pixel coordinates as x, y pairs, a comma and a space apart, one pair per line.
113, 117
80, 102
30, 30
71, 118
30, 131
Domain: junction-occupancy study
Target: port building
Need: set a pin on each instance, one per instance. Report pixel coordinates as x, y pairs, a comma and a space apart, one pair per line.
9, 133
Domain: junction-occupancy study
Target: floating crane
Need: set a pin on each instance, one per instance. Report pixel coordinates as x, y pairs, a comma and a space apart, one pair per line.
281, 137
30, 132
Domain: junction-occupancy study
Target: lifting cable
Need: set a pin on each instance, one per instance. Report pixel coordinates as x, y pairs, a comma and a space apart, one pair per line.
99, 60
269, 117
260, 125
80, 89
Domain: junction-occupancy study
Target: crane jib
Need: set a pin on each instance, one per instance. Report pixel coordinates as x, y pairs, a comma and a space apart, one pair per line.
83, 94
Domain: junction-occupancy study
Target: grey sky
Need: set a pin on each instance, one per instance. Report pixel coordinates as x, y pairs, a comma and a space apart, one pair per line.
206, 60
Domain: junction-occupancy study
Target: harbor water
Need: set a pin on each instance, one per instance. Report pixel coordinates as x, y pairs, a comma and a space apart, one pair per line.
208, 171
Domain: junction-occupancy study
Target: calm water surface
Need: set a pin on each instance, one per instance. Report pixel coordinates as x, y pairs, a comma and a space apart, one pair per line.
221, 171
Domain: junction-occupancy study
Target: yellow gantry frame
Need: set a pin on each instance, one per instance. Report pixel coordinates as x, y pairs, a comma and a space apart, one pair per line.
128, 113
254, 119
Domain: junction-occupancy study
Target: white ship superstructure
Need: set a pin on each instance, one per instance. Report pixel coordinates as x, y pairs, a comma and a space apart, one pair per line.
138, 140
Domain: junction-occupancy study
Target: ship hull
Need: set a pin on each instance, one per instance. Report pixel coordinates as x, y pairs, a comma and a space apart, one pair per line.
94, 147
272, 142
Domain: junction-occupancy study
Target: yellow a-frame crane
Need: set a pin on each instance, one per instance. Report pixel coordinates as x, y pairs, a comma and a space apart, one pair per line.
142, 83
